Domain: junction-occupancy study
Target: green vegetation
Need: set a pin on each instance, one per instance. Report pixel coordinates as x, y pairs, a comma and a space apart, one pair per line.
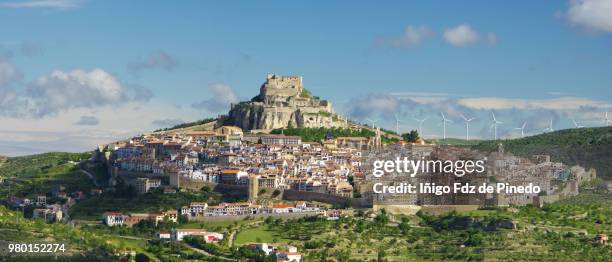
80, 244
454, 142
259, 235
38, 174
588, 147
306, 93
32, 165
554, 232
318, 134
125, 199
324, 113
411, 136
188, 124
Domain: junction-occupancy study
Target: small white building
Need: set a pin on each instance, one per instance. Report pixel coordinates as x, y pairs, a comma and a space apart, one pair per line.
163, 235
209, 237
112, 218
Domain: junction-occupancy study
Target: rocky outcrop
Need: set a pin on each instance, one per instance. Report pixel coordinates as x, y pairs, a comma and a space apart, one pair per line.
283, 102
257, 116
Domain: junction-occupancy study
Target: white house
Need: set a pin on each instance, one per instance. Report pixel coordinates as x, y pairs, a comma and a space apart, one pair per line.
209, 237
163, 235
112, 218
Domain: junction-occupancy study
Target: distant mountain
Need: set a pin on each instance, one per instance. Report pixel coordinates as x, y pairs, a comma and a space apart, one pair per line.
588, 147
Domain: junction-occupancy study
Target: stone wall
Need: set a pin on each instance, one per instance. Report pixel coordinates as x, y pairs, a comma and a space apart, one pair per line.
258, 216
295, 195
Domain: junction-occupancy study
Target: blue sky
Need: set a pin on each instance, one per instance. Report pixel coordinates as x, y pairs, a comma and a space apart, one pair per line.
552, 59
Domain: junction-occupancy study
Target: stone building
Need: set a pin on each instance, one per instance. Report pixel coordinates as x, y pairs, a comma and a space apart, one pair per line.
282, 102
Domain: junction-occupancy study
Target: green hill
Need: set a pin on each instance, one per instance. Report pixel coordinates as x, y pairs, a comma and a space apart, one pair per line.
34, 174
588, 147
204, 123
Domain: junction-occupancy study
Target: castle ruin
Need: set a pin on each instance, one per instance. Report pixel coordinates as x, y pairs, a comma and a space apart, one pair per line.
282, 102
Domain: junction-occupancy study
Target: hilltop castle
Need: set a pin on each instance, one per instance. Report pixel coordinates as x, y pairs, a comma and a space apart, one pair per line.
283, 101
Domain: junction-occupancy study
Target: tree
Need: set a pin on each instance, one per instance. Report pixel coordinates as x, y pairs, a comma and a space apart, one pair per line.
140, 257
276, 193
382, 219
182, 219
381, 255
412, 136
404, 227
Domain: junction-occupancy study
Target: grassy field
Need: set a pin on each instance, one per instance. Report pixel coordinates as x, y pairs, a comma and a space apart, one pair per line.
258, 235
213, 225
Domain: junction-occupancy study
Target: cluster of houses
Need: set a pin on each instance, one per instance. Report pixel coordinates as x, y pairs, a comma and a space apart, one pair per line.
555, 180
199, 209
55, 212
119, 219
228, 156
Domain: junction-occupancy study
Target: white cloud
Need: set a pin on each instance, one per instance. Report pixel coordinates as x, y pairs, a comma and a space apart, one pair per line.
420, 97
561, 103
223, 96
593, 15
412, 36
61, 90
44, 4
19, 136
374, 105
461, 35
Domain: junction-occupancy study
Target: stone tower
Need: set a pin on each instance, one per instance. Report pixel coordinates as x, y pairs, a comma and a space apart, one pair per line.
253, 188
376, 141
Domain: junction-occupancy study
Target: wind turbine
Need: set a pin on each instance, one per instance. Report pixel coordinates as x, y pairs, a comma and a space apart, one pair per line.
397, 121
550, 127
372, 121
420, 125
494, 125
576, 124
606, 121
444, 120
522, 128
467, 126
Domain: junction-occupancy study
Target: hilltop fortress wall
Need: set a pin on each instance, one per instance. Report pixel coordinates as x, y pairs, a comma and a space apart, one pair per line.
282, 102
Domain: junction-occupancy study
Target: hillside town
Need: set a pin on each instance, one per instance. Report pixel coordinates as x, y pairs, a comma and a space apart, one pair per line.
276, 176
